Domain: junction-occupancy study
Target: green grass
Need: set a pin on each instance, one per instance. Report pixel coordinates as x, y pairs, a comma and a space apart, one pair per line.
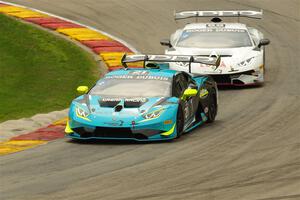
39, 72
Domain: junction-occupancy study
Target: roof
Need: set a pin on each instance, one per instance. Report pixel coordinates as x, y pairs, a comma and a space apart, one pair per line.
149, 72
204, 25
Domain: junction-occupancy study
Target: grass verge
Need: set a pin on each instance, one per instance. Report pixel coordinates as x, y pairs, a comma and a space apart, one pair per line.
39, 72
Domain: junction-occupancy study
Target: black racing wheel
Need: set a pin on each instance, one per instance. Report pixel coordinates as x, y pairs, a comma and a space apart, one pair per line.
179, 121
212, 107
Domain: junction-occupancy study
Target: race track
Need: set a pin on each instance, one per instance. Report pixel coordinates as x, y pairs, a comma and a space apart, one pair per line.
251, 152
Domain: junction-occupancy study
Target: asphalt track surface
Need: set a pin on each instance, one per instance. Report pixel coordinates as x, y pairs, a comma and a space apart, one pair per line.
252, 151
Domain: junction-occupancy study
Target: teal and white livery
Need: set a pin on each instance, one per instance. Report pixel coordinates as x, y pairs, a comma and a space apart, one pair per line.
144, 104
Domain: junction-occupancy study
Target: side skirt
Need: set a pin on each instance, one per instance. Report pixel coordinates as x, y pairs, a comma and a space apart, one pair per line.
196, 124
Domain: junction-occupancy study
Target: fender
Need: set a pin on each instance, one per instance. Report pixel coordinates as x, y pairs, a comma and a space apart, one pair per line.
208, 88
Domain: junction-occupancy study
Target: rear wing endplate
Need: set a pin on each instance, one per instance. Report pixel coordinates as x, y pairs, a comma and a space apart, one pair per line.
170, 58
225, 13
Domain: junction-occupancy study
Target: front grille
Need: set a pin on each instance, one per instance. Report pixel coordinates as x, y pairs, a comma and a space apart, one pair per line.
109, 132
108, 103
132, 104
127, 103
224, 78
113, 132
222, 56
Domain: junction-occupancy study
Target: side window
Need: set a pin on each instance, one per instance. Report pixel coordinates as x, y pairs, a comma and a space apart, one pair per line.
181, 83
184, 81
190, 82
177, 87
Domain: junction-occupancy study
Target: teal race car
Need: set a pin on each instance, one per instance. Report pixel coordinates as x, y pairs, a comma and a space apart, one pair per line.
145, 104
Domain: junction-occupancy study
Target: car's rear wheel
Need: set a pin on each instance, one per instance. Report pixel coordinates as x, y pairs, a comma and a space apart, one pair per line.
212, 107
179, 122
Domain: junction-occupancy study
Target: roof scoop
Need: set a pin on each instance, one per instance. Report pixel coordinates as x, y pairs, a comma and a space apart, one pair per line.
118, 108
216, 20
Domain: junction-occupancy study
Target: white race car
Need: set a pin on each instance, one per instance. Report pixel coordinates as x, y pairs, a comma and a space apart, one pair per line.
240, 47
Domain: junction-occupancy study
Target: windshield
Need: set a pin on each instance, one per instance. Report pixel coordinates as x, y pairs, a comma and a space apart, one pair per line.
214, 38
133, 86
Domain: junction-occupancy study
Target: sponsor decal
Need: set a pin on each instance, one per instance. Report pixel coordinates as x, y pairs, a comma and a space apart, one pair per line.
119, 77
133, 100
186, 111
203, 93
215, 25
166, 122
139, 77
138, 73
213, 72
233, 70
222, 65
160, 78
206, 110
225, 13
168, 58
116, 123
216, 29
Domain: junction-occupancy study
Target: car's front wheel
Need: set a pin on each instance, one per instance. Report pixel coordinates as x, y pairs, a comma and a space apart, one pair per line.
212, 107
179, 122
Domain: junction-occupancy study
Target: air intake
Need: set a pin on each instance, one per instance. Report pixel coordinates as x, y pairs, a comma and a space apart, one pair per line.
118, 108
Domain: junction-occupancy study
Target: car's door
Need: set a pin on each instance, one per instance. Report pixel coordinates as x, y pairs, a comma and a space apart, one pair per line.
181, 84
193, 100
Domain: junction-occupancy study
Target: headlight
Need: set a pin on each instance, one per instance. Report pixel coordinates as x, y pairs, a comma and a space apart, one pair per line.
246, 62
81, 113
153, 114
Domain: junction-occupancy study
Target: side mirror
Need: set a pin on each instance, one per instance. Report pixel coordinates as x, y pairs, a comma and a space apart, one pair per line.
189, 93
263, 42
82, 89
166, 42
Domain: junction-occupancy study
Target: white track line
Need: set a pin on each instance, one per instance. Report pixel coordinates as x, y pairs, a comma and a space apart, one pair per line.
89, 27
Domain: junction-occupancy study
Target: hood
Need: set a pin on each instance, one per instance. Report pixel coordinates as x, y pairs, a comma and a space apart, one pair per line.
231, 59
120, 111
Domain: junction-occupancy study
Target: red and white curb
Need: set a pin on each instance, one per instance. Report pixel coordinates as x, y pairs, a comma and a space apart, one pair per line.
108, 47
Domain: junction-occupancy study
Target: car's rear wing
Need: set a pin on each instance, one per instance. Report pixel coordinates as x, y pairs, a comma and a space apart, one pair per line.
170, 58
219, 14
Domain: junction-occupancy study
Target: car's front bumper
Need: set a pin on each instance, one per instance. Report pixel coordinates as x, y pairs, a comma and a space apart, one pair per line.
246, 78
137, 133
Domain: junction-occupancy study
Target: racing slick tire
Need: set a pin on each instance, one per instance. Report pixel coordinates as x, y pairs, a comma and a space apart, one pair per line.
179, 122
212, 107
